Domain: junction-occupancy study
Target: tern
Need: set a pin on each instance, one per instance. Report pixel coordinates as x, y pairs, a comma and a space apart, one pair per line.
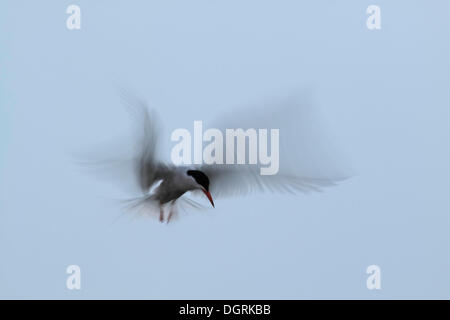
307, 163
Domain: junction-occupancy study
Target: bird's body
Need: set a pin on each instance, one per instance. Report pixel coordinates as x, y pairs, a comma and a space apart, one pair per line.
174, 185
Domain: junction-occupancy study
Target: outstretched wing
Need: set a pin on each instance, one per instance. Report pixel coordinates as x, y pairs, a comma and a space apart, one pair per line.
308, 160
241, 180
148, 169
139, 169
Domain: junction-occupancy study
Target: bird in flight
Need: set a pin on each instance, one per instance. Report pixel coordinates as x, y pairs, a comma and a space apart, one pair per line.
306, 163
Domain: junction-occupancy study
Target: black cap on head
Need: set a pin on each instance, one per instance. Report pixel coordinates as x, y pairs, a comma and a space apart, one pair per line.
200, 177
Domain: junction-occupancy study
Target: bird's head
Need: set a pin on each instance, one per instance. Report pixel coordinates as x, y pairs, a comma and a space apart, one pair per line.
202, 182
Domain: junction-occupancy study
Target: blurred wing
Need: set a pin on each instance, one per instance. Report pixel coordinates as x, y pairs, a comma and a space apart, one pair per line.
308, 159
241, 180
141, 166
147, 169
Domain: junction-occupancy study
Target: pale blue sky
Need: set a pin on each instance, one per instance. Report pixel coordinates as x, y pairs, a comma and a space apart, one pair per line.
385, 92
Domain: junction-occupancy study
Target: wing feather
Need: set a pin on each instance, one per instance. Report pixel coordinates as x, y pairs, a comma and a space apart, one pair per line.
308, 160
140, 170
148, 170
